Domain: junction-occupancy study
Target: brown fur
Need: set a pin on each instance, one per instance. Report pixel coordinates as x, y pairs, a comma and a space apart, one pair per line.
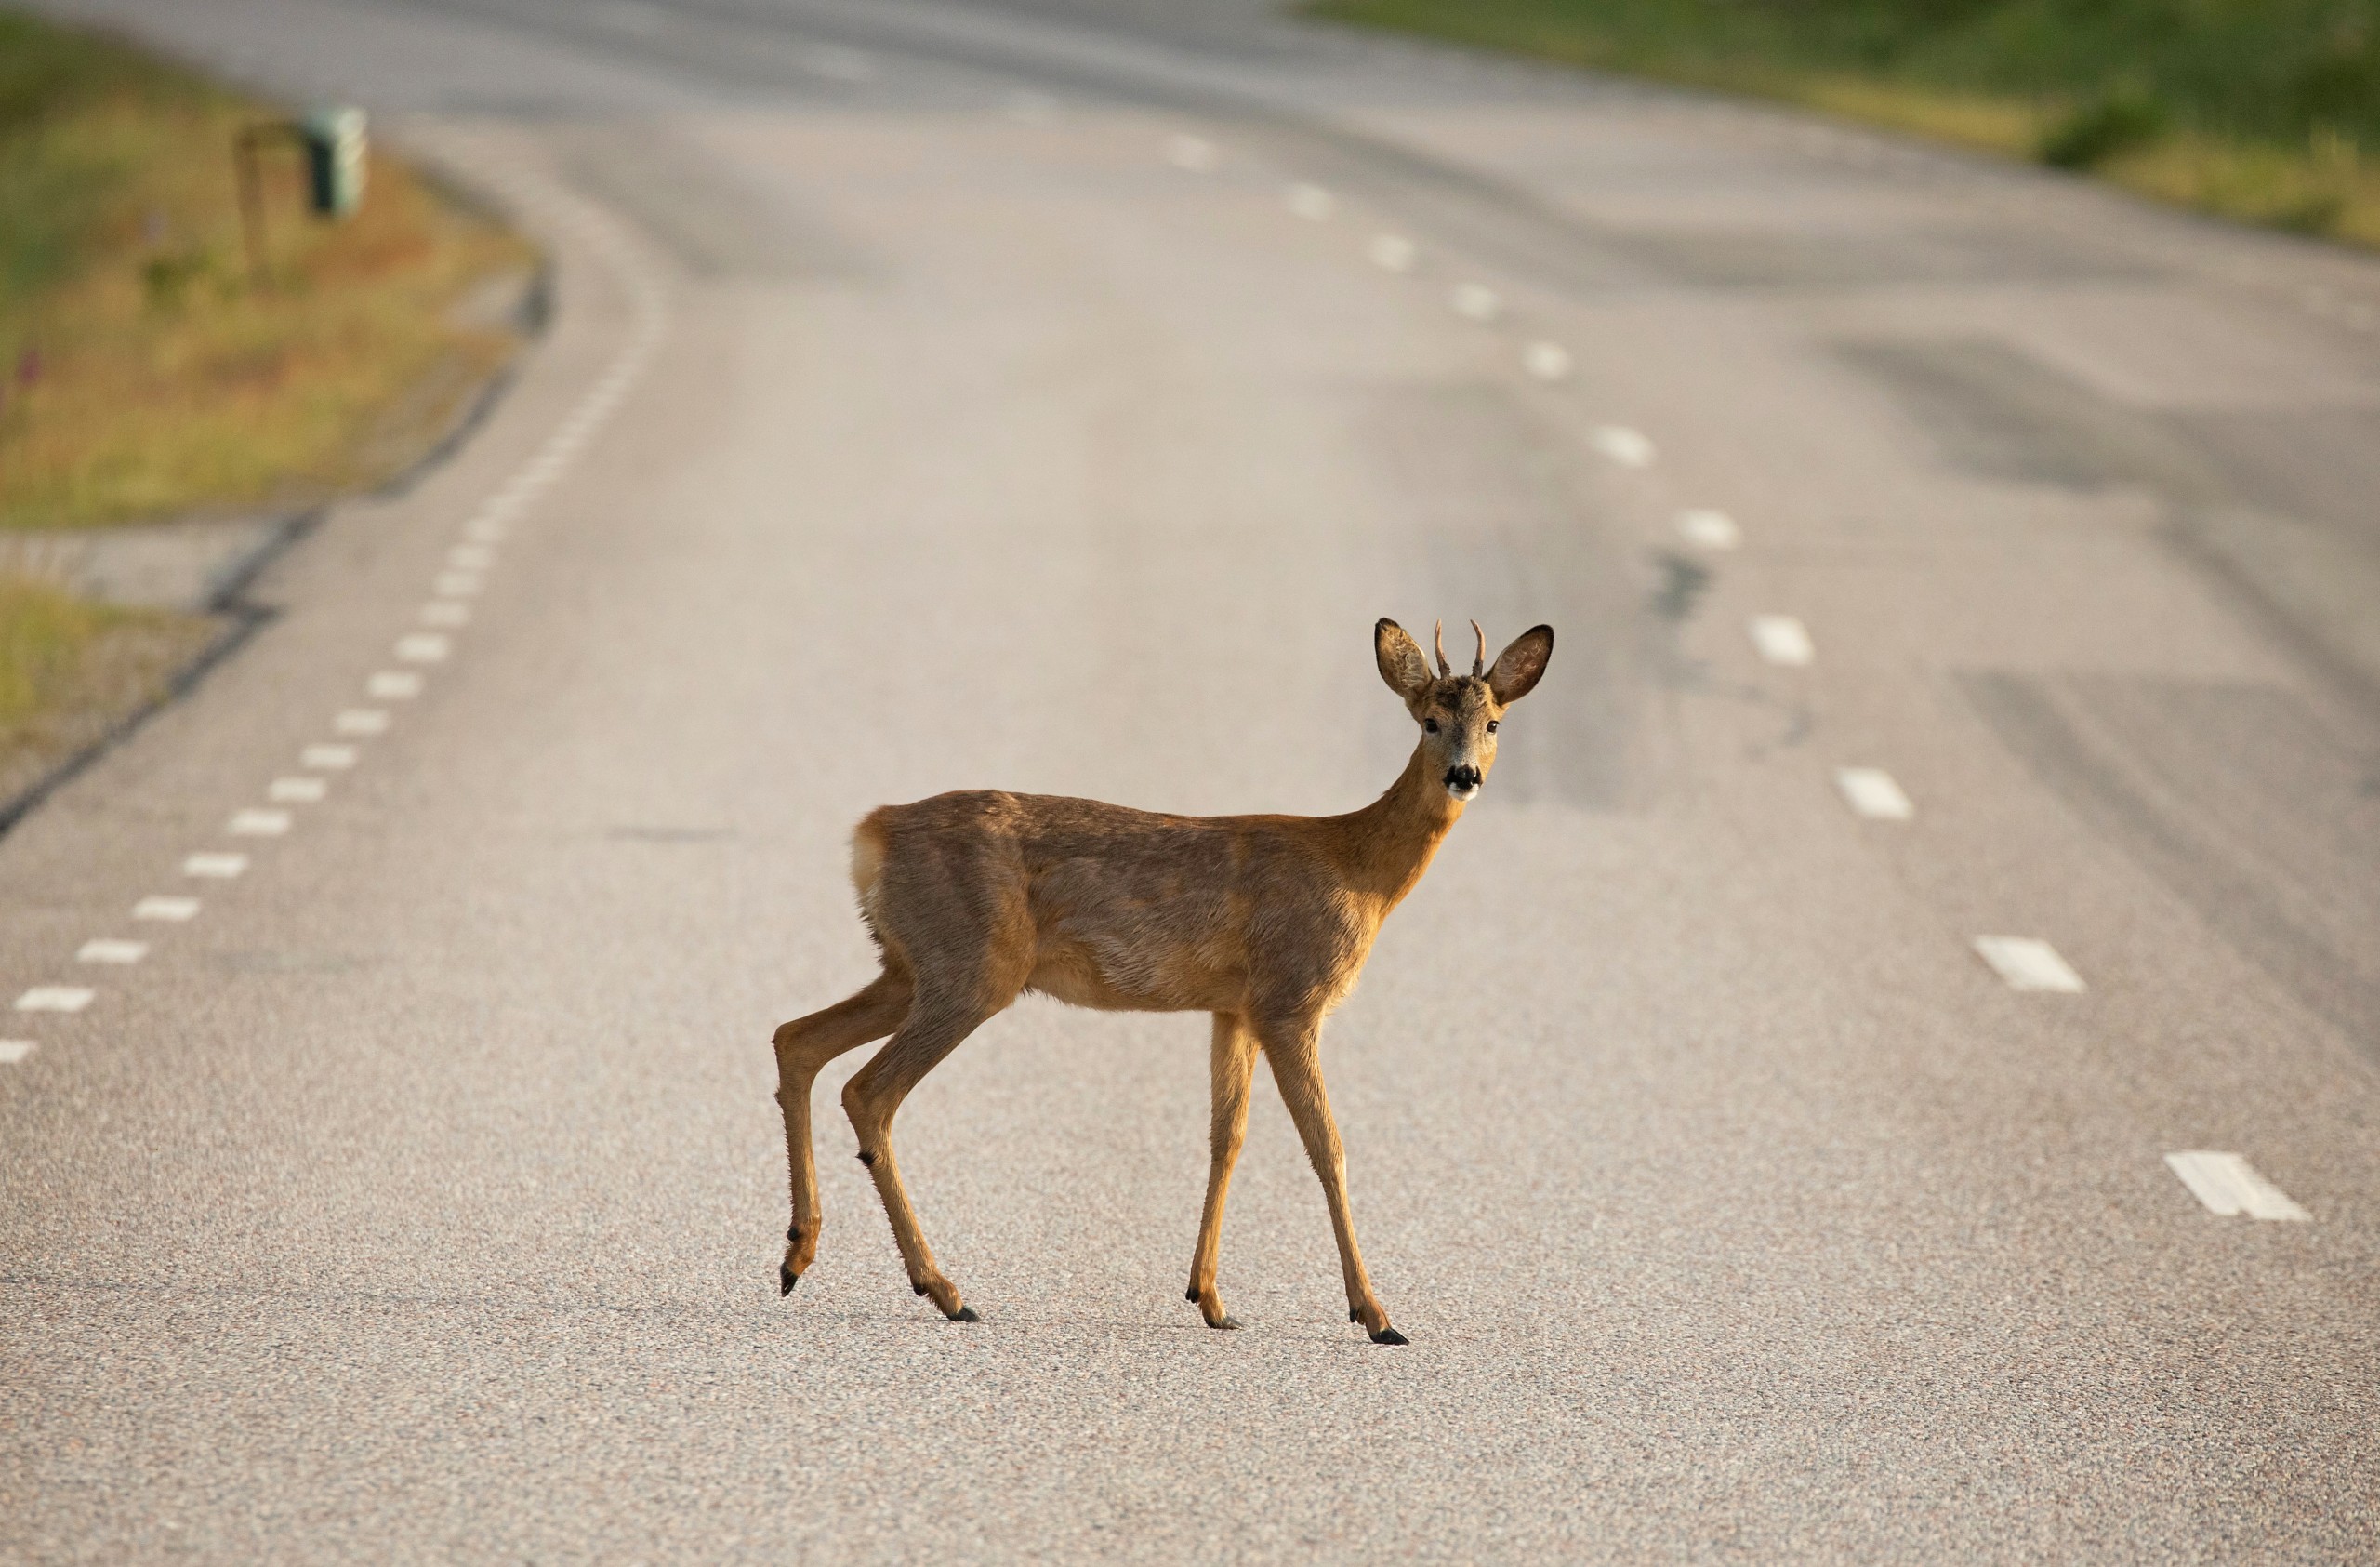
1264, 921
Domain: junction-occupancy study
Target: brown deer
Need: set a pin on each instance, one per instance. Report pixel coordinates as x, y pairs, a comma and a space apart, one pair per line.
1264, 922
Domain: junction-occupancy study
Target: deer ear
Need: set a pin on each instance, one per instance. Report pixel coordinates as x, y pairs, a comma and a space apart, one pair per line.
1401, 663
1519, 667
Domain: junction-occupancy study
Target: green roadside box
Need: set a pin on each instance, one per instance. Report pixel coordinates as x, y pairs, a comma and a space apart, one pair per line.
334, 148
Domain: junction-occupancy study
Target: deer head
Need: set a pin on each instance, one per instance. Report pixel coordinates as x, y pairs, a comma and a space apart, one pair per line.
1460, 714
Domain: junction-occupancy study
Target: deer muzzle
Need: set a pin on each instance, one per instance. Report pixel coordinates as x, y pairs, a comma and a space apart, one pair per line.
1463, 781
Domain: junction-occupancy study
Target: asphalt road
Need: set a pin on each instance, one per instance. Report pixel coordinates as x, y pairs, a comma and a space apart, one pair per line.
947, 396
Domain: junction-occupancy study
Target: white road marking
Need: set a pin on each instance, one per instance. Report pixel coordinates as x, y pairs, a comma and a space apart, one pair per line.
1873, 793
296, 791
1713, 530
1191, 153
215, 867
423, 647
458, 584
2229, 1186
1782, 640
255, 823
1630, 448
393, 686
485, 528
161, 907
2029, 963
1476, 301
1392, 253
109, 949
360, 721
1312, 203
445, 612
1547, 361
470, 557
55, 998
329, 758
13, 1051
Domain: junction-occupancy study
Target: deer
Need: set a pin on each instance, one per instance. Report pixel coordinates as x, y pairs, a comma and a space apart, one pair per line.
976, 897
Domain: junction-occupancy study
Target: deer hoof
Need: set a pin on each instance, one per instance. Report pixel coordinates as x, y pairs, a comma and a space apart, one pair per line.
1390, 1335
965, 1314
1228, 1321
786, 1279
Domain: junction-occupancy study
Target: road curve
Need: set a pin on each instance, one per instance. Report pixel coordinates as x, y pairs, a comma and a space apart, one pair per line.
1957, 790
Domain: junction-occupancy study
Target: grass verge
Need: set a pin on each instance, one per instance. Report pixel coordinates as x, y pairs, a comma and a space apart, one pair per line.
147, 372
2255, 110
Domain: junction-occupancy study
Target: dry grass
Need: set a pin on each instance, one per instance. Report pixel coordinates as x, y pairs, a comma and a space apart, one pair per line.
70, 671
146, 374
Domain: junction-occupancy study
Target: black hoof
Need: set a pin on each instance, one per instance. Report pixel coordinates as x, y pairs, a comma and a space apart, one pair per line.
1228, 1321
1390, 1335
786, 1279
965, 1314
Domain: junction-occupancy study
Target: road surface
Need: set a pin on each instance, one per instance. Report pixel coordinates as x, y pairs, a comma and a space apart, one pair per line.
1051, 397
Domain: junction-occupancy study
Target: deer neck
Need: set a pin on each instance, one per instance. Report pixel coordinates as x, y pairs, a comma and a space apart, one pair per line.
1390, 842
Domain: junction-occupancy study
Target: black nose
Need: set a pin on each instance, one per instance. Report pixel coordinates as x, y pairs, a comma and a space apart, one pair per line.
1463, 777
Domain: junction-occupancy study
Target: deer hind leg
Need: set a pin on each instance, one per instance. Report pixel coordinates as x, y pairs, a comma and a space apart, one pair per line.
804, 1047
1232, 1063
1296, 1058
937, 1025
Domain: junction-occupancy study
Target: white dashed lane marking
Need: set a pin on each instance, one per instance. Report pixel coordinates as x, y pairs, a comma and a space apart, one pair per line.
2029, 963
254, 823
108, 950
328, 758
393, 686
470, 557
1872, 792
163, 908
1392, 252
215, 867
296, 791
1312, 203
424, 647
1630, 448
2229, 1186
360, 721
13, 1051
1477, 302
457, 584
445, 612
55, 998
1782, 640
1547, 361
1713, 530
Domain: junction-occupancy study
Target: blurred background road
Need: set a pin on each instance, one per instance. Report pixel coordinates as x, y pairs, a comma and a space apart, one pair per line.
1050, 396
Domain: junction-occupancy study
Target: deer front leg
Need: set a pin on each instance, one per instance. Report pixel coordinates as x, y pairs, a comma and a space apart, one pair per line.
803, 1047
1232, 1063
1296, 1057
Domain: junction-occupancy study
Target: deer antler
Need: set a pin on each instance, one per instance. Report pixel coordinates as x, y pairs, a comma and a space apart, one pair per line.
1439, 636
1479, 664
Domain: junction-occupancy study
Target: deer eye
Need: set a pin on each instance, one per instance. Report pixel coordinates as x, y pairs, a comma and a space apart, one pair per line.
1431, 724
1491, 726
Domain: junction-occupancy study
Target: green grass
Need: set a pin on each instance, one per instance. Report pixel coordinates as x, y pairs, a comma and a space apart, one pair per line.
2263, 109
142, 372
